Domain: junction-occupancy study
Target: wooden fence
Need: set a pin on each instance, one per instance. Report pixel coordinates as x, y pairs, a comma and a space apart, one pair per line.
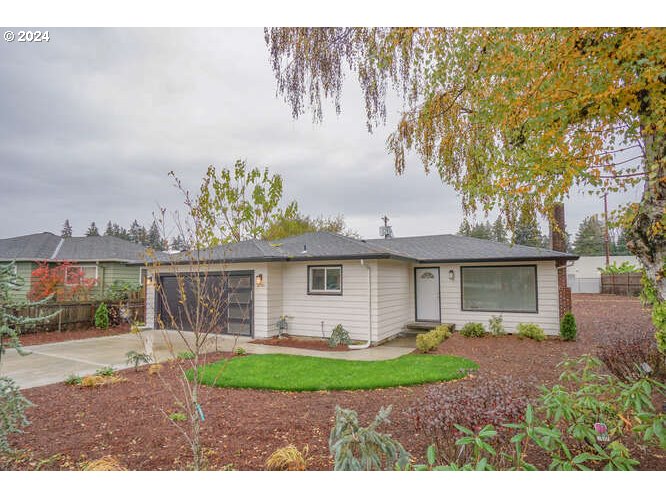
78, 314
627, 284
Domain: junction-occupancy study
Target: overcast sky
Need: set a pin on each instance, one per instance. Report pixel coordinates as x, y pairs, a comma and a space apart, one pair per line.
92, 121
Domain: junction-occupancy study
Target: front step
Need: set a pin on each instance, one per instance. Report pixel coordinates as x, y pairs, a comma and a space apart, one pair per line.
426, 326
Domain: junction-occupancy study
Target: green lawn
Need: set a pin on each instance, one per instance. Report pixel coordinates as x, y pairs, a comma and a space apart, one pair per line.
298, 373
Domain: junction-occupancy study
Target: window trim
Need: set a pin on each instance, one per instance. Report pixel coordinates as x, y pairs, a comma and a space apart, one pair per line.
336, 292
536, 290
82, 266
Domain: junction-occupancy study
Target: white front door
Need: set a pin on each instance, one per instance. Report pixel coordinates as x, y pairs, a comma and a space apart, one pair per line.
427, 294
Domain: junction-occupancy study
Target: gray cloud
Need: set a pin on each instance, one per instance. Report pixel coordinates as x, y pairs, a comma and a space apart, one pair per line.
91, 123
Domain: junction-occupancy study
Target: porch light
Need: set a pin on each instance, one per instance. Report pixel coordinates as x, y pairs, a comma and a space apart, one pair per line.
452, 275
259, 280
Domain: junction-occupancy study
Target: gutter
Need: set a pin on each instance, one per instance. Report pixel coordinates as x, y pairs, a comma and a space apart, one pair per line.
367, 343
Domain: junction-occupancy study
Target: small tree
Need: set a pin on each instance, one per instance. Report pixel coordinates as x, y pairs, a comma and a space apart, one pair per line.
238, 204
12, 403
205, 291
568, 328
102, 316
64, 281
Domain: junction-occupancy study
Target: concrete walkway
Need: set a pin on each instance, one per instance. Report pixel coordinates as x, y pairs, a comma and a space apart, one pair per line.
53, 362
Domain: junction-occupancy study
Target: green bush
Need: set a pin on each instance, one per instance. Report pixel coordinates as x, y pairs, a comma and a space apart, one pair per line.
105, 371
73, 379
137, 358
529, 330
568, 327
122, 290
426, 342
473, 330
339, 336
496, 325
358, 448
102, 316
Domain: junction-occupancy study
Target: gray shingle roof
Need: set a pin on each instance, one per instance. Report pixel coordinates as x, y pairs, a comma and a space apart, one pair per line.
47, 246
325, 245
454, 248
34, 246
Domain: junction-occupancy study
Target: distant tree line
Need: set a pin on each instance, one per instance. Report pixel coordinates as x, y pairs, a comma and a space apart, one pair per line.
589, 239
136, 233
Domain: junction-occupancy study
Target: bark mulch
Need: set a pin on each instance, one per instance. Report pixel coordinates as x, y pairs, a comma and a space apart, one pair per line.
310, 344
43, 337
243, 427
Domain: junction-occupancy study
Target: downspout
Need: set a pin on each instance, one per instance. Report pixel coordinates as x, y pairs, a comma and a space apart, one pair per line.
369, 342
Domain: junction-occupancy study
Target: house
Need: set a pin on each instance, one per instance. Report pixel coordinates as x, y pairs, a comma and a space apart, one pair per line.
375, 288
105, 259
584, 275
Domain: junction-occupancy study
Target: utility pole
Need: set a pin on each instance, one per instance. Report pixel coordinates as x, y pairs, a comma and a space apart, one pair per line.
606, 237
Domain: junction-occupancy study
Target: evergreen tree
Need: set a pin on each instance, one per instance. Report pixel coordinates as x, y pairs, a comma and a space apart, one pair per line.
619, 246
109, 229
154, 240
92, 230
178, 244
66, 229
482, 230
590, 237
499, 232
465, 229
527, 231
137, 233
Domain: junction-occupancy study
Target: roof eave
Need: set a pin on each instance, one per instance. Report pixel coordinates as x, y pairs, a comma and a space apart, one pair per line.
502, 259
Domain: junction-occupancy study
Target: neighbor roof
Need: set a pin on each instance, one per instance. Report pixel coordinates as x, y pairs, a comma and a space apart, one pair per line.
49, 247
420, 249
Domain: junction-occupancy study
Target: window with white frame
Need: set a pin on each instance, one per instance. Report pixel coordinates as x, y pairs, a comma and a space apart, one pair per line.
325, 280
508, 288
76, 275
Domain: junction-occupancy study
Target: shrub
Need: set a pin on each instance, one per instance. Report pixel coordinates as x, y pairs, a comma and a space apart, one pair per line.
102, 317
531, 331
633, 358
73, 379
358, 448
426, 342
105, 371
473, 330
177, 416
288, 458
137, 358
495, 401
12, 411
568, 327
339, 336
185, 355
122, 290
240, 351
496, 325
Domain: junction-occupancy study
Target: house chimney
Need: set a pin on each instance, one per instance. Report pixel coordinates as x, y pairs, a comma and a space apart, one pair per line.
558, 242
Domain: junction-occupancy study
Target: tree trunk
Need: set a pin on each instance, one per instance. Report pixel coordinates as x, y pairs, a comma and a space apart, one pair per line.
647, 234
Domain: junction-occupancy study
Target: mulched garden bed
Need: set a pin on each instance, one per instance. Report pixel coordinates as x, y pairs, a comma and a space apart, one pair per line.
310, 344
43, 337
243, 427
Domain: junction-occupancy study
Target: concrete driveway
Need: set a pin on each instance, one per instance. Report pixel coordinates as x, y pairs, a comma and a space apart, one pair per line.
53, 362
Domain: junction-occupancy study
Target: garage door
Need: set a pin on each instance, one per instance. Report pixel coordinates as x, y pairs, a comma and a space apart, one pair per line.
218, 303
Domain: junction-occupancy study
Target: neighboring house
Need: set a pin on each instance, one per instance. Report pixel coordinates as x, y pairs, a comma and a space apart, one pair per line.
104, 258
584, 276
374, 288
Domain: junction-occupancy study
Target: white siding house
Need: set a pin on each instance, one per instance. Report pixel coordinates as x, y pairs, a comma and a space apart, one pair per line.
320, 280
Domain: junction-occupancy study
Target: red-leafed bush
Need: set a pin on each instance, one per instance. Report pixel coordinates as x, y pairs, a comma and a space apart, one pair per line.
473, 405
632, 358
64, 281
